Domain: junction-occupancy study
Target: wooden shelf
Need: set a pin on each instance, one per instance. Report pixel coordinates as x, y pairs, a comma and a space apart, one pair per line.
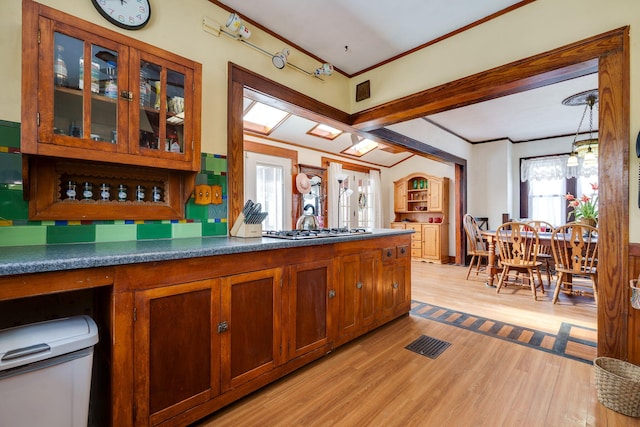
48, 200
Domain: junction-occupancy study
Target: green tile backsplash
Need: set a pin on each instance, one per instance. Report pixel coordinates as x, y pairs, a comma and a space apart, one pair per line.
17, 230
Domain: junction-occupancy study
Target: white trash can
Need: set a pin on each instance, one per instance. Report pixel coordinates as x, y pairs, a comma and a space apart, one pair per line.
45, 373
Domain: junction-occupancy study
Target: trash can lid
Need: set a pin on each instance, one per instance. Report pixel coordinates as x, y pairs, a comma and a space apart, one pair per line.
25, 344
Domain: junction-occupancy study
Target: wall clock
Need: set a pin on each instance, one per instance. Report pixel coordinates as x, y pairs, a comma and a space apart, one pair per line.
127, 14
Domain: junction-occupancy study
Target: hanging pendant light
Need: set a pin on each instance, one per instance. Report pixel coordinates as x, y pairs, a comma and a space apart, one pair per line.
588, 148
590, 158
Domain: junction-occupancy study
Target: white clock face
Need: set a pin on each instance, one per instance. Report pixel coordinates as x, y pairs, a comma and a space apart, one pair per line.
129, 14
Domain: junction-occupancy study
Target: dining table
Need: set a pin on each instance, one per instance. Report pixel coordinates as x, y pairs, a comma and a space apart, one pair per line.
544, 238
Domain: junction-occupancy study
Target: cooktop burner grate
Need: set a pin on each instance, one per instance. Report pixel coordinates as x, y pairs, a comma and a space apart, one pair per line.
314, 234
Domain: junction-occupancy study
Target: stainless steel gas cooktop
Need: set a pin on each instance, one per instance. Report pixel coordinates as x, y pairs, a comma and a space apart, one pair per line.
314, 234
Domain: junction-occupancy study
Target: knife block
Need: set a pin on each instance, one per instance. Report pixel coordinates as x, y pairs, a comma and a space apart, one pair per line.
241, 229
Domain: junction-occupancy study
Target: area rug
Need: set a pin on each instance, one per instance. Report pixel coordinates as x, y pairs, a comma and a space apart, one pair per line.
572, 341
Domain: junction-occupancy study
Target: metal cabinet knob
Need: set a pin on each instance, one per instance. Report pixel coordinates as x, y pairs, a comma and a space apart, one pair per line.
359, 285
395, 286
223, 327
332, 293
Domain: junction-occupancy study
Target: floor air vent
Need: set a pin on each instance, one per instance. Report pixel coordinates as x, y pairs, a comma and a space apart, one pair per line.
427, 346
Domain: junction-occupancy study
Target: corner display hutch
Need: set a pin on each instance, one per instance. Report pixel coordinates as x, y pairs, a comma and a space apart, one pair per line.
421, 203
110, 111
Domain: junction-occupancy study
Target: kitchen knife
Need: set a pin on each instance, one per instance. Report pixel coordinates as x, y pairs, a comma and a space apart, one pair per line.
253, 211
247, 207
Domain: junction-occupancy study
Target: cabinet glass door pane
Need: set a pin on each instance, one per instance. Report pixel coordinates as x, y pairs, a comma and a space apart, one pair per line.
85, 92
150, 96
67, 97
176, 111
162, 108
104, 94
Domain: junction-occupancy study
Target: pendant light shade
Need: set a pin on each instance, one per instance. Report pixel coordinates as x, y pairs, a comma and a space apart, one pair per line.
588, 148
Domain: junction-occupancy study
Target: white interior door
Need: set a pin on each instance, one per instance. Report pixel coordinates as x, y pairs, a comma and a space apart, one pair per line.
267, 180
356, 210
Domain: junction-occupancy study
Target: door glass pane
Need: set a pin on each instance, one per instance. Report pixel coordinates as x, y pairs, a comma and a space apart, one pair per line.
104, 93
364, 203
344, 205
176, 112
270, 193
150, 88
67, 97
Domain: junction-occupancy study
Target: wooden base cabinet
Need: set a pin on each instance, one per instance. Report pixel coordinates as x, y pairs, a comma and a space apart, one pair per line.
177, 361
306, 305
194, 341
435, 243
192, 336
249, 329
429, 242
394, 287
357, 278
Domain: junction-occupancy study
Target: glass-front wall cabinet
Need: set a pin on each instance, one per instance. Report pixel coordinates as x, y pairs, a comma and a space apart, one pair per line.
86, 101
162, 108
97, 94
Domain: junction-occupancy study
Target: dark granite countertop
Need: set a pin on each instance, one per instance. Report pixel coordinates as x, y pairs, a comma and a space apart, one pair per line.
43, 258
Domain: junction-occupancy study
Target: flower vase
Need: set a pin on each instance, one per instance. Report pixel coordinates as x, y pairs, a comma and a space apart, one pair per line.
588, 221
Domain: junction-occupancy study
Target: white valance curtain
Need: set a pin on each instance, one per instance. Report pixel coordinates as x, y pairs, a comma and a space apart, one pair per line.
553, 167
544, 168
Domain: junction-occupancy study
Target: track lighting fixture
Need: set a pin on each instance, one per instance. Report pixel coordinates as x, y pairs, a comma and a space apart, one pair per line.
280, 59
237, 30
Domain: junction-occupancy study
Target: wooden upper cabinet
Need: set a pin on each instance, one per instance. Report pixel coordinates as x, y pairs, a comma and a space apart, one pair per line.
436, 195
400, 195
420, 193
93, 94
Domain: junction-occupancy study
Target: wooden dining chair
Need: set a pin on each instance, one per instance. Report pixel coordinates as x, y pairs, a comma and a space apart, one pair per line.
518, 245
575, 253
544, 251
476, 244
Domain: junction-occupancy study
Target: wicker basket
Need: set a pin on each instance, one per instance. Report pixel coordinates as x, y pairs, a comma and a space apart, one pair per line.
618, 385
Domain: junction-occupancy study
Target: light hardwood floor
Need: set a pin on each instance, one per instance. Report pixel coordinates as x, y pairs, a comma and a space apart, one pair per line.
477, 381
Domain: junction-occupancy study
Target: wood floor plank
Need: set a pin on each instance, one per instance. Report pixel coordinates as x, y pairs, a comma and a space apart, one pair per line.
478, 381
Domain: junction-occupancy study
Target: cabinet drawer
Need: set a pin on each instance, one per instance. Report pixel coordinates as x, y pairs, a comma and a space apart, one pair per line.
416, 237
416, 227
388, 254
416, 245
402, 251
416, 253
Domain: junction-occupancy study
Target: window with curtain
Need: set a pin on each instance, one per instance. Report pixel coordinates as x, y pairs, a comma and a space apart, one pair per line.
546, 201
544, 183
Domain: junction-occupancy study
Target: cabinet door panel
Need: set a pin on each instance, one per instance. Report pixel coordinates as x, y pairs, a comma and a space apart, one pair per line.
368, 278
78, 106
251, 308
307, 303
386, 291
164, 108
403, 291
348, 297
175, 366
431, 241
435, 196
